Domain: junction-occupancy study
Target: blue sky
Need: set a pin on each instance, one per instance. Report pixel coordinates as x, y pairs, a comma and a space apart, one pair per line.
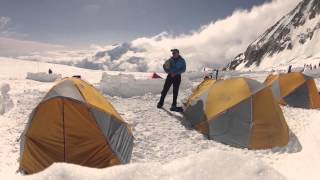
83, 22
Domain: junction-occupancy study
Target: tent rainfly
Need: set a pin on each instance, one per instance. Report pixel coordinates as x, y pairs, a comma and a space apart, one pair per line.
239, 112
294, 89
74, 123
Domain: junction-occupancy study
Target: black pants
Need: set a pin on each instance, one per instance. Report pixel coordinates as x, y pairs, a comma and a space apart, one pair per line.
175, 81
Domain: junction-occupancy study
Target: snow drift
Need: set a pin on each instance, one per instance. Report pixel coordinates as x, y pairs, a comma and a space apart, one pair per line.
126, 85
210, 164
43, 77
5, 101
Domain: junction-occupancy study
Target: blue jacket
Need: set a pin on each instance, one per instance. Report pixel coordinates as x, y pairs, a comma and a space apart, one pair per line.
176, 66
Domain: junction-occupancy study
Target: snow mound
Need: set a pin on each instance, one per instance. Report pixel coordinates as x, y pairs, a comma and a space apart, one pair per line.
209, 165
5, 101
124, 85
43, 77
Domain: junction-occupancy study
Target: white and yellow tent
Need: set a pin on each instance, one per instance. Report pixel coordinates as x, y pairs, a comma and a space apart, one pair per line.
240, 112
294, 89
74, 123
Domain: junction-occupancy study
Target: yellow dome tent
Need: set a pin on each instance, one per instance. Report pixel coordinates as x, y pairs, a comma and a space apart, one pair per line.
294, 89
240, 112
74, 123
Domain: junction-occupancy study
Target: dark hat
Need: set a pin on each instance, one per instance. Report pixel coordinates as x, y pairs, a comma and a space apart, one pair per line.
175, 50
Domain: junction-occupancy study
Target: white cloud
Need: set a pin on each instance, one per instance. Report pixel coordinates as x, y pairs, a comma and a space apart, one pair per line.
218, 42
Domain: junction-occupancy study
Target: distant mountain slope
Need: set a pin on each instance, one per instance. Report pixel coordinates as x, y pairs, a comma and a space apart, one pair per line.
294, 39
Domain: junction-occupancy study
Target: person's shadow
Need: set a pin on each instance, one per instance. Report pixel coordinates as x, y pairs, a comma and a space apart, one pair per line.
181, 119
192, 116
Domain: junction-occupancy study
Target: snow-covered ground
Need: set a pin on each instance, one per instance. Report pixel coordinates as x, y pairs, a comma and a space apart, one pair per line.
165, 146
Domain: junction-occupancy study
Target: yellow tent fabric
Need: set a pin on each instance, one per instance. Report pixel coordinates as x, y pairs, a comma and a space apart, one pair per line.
240, 112
294, 89
74, 123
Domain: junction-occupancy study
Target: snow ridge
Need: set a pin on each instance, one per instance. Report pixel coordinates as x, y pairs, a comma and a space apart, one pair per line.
294, 37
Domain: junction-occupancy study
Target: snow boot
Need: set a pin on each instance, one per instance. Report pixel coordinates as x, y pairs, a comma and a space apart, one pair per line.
176, 109
159, 105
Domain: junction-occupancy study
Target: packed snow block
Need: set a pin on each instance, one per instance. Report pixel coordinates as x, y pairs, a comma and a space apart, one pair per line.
5, 101
126, 86
297, 69
4, 88
43, 77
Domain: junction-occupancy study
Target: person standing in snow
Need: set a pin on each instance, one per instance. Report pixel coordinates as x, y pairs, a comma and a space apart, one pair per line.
174, 67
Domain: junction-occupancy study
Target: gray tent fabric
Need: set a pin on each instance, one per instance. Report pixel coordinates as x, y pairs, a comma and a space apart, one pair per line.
65, 89
254, 85
299, 97
106, 124
195, 113
117, 134
122, 144
276, 89
233, 127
